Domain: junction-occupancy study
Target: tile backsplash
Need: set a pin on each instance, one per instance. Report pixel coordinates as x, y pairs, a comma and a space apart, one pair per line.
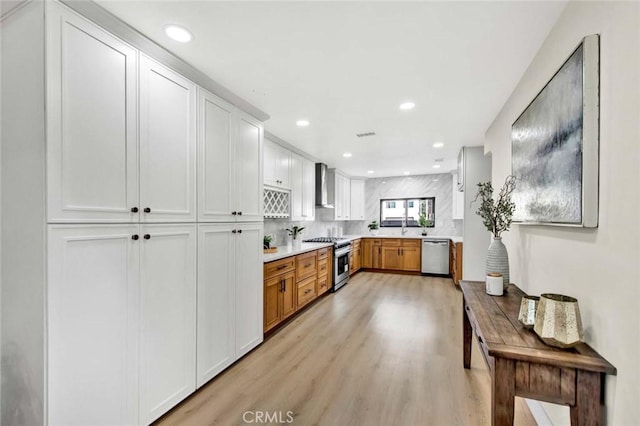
437, 185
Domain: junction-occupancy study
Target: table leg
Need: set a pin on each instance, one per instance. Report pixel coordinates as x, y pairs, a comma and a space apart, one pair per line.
466, 339
503, 392
589, 405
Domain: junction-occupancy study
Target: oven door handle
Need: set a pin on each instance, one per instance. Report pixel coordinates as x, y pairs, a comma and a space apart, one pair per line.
342, 252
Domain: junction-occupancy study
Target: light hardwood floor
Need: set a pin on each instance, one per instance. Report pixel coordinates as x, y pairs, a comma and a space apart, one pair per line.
384, 350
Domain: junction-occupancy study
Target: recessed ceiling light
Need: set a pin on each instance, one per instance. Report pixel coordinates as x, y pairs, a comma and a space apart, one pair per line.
370, 171
438, 145
435, 180
302, 123
407, 173
407, 106
347, 155
436, 166
178, 33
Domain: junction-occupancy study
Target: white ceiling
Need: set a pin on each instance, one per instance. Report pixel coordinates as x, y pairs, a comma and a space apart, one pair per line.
346, 66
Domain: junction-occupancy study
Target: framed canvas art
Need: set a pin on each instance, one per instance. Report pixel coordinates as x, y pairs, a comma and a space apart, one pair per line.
554, 145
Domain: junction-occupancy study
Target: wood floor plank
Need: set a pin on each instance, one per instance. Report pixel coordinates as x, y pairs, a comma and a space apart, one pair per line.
384, 350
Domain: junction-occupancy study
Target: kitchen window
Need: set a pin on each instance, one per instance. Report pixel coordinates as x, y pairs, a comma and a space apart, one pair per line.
399, 212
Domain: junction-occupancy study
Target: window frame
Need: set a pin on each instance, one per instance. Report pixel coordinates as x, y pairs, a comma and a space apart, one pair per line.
406, 211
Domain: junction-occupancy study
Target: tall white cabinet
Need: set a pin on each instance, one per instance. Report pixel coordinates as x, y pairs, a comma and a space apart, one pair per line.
303, 188
132, 215
357, 199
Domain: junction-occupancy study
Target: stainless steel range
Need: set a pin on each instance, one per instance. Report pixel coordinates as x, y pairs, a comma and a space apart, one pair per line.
341, 251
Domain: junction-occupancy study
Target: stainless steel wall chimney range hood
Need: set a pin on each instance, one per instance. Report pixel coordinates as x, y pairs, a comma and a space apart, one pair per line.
321, 186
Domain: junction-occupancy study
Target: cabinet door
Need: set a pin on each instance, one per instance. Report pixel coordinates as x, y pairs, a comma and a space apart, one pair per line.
249, 287
216, 133
92, 320
297, 188
288, 295
92, 150
457, 200
168, 317
167, 144
248, 183
411, 258
346, 198
338, 203
308, 189
216, 300
367, 252
391, 258
357, 199
272, 296
277, 165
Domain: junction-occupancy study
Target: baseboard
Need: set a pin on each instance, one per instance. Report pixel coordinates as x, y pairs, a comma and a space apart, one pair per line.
538, 412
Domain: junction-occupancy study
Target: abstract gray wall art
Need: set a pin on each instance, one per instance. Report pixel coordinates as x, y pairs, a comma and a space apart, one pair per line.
555, 146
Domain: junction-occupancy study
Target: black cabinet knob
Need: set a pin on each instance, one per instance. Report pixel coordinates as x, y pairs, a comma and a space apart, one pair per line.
134, 210
146, 236
234, 213
239, 213
135, 237
239, 231
233, 231
147, 210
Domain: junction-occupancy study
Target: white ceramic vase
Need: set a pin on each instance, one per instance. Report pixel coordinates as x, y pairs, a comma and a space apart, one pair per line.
498, 260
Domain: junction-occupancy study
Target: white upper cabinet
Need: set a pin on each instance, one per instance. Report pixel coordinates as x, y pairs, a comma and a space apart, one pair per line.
308, 189
276, 165
167, 145
167, 317
248, 183
339, 192
357, 199
457, 201
230, 166
303, 188
216, 159
92, 151
297, 187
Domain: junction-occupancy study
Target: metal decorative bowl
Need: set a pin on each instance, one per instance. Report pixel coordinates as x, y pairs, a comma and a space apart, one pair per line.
528, 307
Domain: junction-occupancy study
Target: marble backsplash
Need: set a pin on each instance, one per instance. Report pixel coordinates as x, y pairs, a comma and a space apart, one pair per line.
437, 185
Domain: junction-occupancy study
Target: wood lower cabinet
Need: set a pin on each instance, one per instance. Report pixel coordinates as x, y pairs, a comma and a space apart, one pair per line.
279, 299
294, 282
371, 253
455, 262
355, 258
396, 254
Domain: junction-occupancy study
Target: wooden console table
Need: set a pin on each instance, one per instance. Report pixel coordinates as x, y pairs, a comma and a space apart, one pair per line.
523, 365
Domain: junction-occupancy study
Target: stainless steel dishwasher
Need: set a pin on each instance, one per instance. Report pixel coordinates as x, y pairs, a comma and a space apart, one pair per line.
435, 257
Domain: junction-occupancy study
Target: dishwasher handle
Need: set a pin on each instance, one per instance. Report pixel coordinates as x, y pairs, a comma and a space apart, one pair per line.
436, 243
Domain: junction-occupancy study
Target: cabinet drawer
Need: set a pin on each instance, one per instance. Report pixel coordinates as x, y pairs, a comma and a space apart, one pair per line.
391, 242
323, 284
323, 267
278, 267
323, 253
411, 243
305, 265
355, 243
306, 291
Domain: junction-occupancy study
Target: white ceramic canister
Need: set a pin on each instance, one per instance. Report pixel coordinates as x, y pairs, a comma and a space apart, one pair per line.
494, 283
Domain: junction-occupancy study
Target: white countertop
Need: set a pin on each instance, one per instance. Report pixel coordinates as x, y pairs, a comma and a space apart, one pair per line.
457, 239
286, 251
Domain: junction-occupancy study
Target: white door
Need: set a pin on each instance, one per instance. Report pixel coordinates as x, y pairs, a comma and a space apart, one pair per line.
216, 178
297, 187
249, 287
308, 189
92, 322
216, 300
92, 151
168, 317
167, 145
357, 199
248, 188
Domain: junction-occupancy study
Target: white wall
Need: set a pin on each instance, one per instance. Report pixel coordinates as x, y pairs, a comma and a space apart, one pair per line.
23, 218
598, 266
